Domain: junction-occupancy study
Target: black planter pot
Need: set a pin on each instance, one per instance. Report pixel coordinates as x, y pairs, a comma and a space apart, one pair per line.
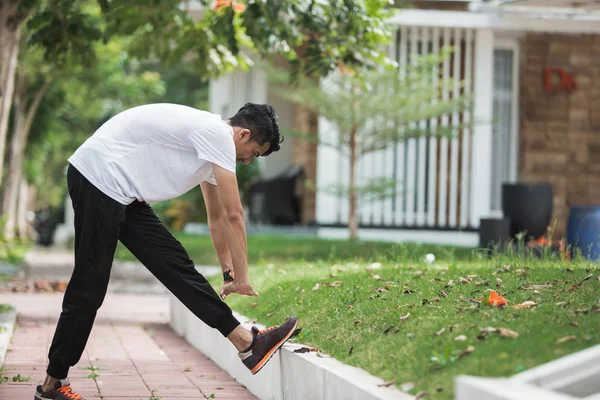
528, 206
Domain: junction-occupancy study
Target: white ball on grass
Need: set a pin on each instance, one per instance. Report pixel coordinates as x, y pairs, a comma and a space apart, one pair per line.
429, 258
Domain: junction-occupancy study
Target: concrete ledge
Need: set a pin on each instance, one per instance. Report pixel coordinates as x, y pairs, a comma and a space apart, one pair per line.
7, 327
576, 376
289, 375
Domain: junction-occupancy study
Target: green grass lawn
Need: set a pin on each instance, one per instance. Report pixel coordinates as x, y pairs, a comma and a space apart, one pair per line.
401, 321
269, 248
361, 317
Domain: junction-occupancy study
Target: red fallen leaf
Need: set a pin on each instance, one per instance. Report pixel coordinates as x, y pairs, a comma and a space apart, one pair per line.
525, 304
253, 304
388, 383
306, 349
496, 300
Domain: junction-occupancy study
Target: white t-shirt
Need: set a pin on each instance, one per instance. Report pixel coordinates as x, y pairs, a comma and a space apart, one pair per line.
155, 152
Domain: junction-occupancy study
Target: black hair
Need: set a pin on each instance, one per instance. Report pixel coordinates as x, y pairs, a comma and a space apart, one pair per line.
261, 120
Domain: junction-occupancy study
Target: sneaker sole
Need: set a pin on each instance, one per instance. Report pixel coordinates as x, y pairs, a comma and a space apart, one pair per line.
270, 354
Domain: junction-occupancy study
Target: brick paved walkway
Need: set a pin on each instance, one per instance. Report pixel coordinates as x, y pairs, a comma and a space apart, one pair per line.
134, 354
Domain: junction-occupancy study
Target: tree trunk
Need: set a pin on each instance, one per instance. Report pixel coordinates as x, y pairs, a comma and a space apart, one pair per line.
10, 35
305, 154
353, 212
23, 119
22, 208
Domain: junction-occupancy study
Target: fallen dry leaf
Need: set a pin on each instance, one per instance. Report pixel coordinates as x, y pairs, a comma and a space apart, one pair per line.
306, 349
466, 352
350, 351
404, 317
419, 273
576, 286
388, 329
507, 333
317, 286
381, 289
253, 304
561, 303
388, 383
450, 283
357, 322
498, 281
377, 277
335, 284
374, 266
525, 304
269, 314
435, 299
440, 332
410, 335
566, 339
406, 387
421, 395
442, 293
463, 280
496, 300
575, 324
460, 338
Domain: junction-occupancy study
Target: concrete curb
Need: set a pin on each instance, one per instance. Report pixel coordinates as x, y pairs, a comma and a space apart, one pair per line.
576, 376
289, 375
7, 327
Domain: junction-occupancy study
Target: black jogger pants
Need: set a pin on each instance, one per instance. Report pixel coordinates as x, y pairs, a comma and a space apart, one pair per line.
100, 222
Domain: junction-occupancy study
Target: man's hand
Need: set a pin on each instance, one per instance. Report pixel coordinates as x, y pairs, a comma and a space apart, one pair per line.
235, 287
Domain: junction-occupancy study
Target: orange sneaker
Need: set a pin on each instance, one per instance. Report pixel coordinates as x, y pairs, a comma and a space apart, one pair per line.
265, 343
62, 391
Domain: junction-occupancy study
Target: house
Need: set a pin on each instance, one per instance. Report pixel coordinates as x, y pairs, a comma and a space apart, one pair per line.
533, 68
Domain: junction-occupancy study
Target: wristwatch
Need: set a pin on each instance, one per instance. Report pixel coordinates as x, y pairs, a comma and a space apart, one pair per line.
227, 277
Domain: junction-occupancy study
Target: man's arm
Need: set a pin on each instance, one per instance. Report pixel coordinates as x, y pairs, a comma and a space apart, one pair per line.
216, 224
235, 231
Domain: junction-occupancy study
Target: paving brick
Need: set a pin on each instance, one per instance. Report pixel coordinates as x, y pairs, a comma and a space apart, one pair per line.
128, 360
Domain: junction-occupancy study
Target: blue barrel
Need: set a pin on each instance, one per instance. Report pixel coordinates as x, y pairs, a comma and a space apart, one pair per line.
583, 230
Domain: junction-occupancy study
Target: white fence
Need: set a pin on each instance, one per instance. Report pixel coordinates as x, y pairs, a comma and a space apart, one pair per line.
444, 183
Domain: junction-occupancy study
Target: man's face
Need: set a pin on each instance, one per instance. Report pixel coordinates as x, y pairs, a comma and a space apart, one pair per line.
247, 149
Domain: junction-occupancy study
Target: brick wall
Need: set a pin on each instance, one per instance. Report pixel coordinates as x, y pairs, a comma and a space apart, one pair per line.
560, 132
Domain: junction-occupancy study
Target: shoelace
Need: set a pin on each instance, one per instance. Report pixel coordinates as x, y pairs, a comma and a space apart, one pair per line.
69, 393
267, 330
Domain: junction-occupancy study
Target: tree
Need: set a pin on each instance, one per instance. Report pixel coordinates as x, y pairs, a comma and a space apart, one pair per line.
374, 109
77, 104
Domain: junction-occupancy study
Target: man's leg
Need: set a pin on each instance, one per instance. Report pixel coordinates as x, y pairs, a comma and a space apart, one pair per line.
153, 245
97, 222
146, 237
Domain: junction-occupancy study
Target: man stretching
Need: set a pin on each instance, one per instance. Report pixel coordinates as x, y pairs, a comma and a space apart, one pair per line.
147, 154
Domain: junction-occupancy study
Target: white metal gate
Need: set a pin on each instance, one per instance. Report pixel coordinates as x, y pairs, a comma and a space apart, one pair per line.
438, 178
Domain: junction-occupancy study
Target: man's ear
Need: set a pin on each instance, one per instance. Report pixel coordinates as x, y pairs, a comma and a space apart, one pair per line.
245, 133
